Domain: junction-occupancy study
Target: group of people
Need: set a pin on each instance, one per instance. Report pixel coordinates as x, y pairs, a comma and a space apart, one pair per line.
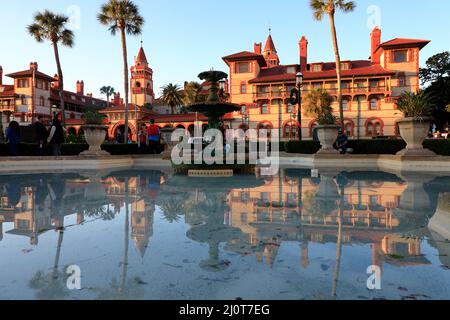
149, 137
53, 137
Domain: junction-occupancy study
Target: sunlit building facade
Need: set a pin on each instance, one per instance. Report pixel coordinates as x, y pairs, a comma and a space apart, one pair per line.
262, 85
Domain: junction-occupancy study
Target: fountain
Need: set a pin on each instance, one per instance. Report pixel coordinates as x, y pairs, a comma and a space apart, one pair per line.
214, 108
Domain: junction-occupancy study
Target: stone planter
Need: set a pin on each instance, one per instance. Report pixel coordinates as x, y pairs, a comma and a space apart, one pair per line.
166, 136
327, 135
95, 136
414, 133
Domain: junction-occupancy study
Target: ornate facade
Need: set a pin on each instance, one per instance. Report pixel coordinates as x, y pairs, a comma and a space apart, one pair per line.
370, 87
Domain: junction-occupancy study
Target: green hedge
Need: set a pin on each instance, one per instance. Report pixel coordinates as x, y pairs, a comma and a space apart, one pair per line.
73, 149
440, 147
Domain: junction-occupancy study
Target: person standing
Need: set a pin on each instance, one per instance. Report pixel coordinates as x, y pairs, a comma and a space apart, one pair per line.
154, 135
56, 137
143, 140
41, 135
13, 137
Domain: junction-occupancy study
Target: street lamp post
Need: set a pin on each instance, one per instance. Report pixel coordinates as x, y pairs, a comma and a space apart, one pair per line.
299, 80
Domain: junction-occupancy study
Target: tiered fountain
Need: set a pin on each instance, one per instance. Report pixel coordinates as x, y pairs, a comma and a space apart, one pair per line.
214, 108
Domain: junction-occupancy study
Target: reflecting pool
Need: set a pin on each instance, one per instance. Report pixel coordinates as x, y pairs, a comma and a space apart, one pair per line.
153, 235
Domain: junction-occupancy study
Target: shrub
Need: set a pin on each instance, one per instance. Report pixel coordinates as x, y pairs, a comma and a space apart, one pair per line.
382, 146
303, 147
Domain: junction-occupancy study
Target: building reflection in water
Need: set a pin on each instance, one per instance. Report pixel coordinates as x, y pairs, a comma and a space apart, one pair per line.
251, 216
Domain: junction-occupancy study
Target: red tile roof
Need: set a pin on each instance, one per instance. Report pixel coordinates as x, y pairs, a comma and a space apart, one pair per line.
246, 55
190, 117
29, 73
77, 98
358, 68
278, 73
7, 91
141, 56
402, 42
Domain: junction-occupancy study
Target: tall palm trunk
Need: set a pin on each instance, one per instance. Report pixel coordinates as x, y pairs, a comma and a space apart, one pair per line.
125, 80
339, 245
58, 254
126, 241
61, 83
338, 67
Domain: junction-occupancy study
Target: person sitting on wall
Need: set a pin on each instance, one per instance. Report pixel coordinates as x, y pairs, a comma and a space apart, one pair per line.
13, 137
341, 143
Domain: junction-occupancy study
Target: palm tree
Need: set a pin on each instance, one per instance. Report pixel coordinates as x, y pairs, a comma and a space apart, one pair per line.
171, 95
108, 91
122, 16
52, 27
192, 92
320, 8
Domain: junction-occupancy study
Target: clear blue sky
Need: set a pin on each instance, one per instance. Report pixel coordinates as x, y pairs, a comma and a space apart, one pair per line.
183, 38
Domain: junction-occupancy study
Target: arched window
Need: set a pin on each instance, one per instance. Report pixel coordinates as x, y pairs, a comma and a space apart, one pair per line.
374, 127
138, 84
264, 126
290, 130
349, 129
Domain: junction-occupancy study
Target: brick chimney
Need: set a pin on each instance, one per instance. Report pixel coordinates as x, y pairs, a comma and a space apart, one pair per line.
116, 100
34, 66
1, 75
55, 84
257, 48
80, 87
375, 41
303, 44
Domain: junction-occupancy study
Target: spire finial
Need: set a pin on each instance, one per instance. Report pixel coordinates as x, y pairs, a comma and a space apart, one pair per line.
270, 30
142, 43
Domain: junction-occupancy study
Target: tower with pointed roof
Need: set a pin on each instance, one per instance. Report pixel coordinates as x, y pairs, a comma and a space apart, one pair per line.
142, 81
270, 52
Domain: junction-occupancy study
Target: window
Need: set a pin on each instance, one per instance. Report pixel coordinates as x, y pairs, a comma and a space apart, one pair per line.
244, 196
264, 108
400, 56
290, 130
243, 88
242, 67
374, 128
264, 196
23, 83
316, 68
345, 105
317, 85
345, 66
373, 104
401, 81
42, 101
244, 110
292, 70
349, 129
23, 100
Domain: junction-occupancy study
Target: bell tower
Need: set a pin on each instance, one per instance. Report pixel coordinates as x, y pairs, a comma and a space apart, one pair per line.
142, 81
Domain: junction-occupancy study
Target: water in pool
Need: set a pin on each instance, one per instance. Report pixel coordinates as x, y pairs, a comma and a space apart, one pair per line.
151, 235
